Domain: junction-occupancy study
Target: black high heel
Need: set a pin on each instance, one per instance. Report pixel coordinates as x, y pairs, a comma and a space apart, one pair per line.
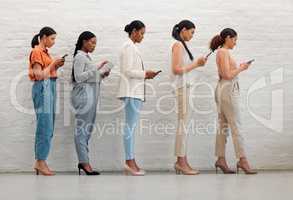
92, 173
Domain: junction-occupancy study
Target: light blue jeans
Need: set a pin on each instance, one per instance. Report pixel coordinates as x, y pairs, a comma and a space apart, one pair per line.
84, 99
132, 111
44, 99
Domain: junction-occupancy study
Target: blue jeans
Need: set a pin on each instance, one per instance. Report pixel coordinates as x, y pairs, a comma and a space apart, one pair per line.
44, 99
84, 99
132, 111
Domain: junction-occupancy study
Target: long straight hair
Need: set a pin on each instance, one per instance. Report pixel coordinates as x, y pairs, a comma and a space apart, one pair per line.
176, 34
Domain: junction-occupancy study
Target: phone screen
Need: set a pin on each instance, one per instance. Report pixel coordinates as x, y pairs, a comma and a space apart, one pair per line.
251, 61
209, 55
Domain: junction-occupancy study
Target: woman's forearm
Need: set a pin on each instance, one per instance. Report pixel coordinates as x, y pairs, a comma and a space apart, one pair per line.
232, 74
81, 76
185, 69
47, 71
42, 74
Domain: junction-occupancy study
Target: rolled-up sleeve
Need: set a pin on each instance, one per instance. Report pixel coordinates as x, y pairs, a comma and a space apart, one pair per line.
36, 58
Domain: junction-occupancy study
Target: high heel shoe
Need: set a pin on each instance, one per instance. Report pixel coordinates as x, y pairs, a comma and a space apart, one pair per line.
92, 173
129, 171
180, 170
43, 172
246, 170
224, 169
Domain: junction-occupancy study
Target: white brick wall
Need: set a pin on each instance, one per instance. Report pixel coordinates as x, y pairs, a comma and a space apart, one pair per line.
265, 33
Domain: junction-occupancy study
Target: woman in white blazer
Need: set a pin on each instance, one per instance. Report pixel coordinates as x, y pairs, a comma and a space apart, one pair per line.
132, 90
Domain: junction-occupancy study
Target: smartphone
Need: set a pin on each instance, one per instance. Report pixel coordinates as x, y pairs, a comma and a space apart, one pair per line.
158, 72
209, 55
106, 68
250, 61
109, 65
63, 57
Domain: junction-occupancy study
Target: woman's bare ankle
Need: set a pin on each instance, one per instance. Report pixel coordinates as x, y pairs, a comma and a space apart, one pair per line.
131, 163
182, 162
221, 160
41, 164
243, 160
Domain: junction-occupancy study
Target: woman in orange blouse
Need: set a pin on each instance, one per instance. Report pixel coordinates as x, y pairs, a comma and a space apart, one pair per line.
43, 72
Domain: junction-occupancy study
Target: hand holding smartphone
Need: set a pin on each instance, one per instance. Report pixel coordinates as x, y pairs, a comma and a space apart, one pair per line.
150, 74
60, 62
63, 57
106, 67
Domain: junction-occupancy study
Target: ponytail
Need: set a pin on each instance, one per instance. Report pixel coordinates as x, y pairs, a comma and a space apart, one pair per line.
78, 46
176, 34
216, 42
219, 40
45, 31
35, 40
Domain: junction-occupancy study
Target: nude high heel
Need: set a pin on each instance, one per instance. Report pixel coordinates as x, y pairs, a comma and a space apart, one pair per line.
180, 170
129, 171
246, 170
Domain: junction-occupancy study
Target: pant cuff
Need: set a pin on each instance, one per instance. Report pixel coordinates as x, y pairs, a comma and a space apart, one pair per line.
180, 154
129, 157
84, 161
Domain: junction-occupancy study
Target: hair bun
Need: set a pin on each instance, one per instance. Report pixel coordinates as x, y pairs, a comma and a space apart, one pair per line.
127, 28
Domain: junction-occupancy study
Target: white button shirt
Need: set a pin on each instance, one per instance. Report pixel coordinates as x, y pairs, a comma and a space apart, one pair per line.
132, 73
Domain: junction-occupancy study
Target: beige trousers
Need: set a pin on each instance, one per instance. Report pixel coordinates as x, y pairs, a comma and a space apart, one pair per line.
182, 100
227, 98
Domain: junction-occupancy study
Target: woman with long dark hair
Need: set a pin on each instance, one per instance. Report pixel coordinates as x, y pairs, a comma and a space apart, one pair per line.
227, 99
43, 72
132, 90
86, 79
182, 63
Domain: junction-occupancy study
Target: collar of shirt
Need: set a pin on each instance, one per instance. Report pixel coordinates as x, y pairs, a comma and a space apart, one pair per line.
42, 49
84, 53
134, 46
130, 41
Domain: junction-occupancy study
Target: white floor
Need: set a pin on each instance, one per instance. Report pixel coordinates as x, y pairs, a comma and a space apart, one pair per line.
266, 185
